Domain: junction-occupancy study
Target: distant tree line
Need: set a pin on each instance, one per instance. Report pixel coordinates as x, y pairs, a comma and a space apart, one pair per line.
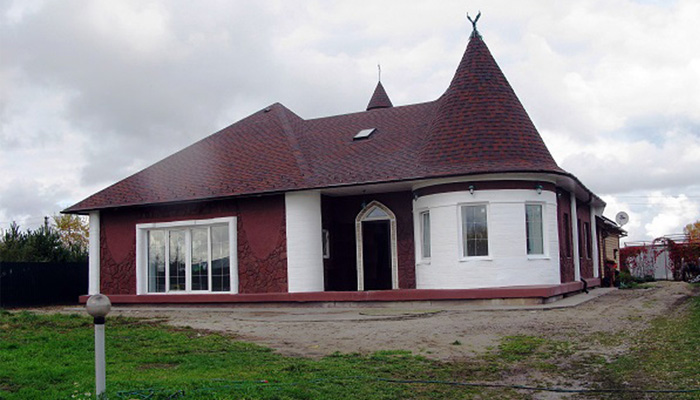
64, 240
693, 231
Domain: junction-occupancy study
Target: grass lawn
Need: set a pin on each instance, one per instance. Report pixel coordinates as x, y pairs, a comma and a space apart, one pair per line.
665, 356
51, 357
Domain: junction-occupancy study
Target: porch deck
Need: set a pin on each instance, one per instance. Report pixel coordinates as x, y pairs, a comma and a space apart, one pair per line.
539, 294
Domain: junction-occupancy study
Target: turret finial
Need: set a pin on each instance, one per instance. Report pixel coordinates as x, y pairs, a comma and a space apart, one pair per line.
475, 32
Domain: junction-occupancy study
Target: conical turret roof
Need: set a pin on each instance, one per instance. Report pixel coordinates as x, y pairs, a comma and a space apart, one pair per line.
379, 98
480, 125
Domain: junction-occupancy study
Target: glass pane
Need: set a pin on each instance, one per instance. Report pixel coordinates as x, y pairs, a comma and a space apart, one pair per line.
426, 234
220, 265
156, 261
326, 243
580, 239
465, 231
177, 260
587, 238
377, 213
200, 259
475, 231
482, 247
567, 234
533, 222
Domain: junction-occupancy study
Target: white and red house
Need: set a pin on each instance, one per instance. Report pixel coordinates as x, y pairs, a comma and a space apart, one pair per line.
456, 198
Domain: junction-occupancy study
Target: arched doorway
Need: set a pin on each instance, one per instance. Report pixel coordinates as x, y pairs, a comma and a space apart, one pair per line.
375, 238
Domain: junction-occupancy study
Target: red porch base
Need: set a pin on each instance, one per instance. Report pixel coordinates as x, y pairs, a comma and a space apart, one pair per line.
536, 294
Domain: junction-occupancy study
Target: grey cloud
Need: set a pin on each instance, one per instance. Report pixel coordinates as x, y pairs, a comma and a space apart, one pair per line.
30, 198
136, 107
653, 127
217, 62
604, 174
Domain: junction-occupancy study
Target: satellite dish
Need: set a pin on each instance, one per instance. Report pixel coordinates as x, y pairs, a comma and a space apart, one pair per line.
622, 218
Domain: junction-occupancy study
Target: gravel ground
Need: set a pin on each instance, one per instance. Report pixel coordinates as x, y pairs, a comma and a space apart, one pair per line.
428, 329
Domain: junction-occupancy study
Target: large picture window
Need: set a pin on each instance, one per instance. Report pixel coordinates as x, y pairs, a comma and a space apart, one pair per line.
177, 261
475, 235
187, 256
156, 261
534, 229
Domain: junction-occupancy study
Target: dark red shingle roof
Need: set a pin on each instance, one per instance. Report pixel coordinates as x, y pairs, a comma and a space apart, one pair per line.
480, 124
477, 126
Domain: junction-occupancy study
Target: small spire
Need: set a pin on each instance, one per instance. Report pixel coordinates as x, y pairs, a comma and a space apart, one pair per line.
379, 98
379, 72
475, 32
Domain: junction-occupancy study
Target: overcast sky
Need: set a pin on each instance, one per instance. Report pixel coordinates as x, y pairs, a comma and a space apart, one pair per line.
93, 91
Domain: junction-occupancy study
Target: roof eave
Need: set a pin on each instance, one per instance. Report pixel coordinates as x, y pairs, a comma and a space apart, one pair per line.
565, 179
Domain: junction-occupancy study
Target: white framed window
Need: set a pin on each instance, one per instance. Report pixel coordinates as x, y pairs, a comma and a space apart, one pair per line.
534, 229
474, 230
425, 234
326, 245
196, 256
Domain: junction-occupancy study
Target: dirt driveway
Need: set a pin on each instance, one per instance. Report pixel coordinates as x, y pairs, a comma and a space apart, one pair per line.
442, 331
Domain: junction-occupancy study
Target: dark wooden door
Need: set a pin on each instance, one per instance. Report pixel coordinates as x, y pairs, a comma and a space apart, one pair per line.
376, 257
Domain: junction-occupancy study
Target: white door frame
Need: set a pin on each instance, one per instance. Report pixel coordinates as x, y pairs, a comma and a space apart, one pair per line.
364, 215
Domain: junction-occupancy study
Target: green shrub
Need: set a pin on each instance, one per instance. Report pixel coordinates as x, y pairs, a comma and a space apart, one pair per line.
625, 278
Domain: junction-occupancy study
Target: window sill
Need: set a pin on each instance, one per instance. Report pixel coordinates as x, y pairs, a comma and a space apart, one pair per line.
476, 258
423, 262
182, 293
538, 257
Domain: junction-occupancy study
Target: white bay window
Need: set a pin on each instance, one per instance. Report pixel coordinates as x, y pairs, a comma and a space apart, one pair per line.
474, 231
425, 234
534, 229
197, 256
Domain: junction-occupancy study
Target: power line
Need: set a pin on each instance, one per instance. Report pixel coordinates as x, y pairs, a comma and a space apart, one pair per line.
148, 393
651, 196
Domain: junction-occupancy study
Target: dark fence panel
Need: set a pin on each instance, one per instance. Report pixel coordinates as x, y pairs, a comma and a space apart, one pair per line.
33, 284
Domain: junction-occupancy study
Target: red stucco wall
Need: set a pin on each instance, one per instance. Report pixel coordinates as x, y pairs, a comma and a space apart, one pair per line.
584, 214
262, 245
262, 242
566, 261
338, 216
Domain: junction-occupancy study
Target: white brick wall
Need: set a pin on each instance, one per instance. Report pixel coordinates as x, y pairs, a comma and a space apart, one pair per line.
508, 263
94, 254
304, 246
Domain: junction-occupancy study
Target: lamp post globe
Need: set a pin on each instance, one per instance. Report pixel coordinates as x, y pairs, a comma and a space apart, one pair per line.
98, 305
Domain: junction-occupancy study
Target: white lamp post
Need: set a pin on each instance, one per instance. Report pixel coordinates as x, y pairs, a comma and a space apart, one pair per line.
98, 305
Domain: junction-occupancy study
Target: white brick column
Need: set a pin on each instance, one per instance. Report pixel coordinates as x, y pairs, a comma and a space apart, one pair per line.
304, 242
94, 254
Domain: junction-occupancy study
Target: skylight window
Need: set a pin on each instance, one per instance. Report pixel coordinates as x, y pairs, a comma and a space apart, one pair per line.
364, 134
